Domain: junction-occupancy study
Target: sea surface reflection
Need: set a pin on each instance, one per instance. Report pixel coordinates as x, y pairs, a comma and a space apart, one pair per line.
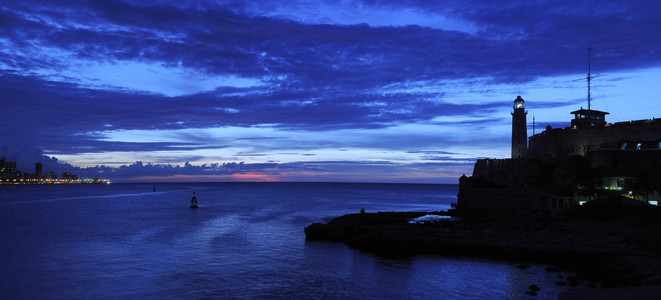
245, 241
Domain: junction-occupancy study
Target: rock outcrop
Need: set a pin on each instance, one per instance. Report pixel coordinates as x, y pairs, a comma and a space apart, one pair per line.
618, 246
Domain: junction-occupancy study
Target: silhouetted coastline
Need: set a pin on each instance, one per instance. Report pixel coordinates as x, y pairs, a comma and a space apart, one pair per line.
605, 245
10, 175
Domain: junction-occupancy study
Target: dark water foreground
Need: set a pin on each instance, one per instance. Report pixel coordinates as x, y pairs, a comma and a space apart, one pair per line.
245, 241
607, 247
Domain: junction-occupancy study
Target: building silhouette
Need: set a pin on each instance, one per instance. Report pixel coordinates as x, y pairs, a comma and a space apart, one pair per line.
8, 170
563, 167
37, 171
50, 175
10, 175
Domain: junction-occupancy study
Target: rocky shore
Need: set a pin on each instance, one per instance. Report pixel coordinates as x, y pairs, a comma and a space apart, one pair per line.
605, 246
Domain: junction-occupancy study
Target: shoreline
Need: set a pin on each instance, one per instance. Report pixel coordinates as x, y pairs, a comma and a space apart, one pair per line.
616, 247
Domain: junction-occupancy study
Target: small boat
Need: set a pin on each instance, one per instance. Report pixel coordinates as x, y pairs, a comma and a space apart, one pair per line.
193, 201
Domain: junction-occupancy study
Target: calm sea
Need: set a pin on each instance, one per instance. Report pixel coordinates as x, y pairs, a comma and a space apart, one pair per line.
245, 241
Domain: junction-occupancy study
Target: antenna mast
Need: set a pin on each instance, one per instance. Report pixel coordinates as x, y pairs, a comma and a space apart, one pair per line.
590, 77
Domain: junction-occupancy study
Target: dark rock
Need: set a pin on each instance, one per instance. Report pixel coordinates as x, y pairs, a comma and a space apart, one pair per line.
576, 240
606, 284
316, 231
573, 280
533, 288
560, 283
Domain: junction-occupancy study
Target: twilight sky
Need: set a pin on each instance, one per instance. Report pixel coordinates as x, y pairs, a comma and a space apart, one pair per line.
366, 91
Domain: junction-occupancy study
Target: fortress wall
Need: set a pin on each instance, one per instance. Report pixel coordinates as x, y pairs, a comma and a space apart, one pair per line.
578, 141
507, 198
501, 171
497, 184
625, 159
493, 199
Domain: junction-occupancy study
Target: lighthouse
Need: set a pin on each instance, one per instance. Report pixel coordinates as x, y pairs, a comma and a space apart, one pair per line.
519, 130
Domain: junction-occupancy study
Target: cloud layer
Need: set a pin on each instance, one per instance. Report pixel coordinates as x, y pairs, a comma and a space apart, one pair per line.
294, 83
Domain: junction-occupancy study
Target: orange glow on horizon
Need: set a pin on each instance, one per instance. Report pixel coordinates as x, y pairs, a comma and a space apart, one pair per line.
304, 176
251, 176
255, 176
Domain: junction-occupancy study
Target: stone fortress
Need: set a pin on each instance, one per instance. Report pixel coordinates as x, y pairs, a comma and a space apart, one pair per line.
565, 167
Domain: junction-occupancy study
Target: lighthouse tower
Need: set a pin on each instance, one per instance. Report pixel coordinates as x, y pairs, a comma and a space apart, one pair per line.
519, 130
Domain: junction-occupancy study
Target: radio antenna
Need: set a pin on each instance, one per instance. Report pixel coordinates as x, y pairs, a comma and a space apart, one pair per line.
589, 78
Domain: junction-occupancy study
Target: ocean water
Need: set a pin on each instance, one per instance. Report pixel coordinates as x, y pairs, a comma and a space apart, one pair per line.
245, 241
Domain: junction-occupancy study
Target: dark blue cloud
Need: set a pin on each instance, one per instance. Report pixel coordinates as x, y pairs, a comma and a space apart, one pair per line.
309, 75
530, 41
65, 118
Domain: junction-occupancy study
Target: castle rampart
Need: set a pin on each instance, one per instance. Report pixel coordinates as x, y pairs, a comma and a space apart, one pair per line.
566, 166
565, 142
